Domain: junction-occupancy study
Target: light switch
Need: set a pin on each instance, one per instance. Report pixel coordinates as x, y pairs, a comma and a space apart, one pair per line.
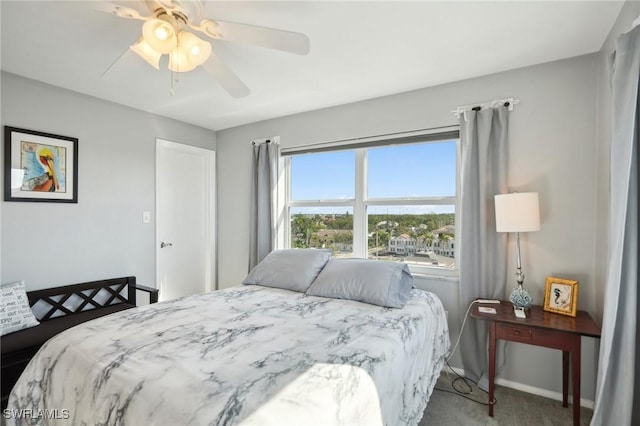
146, 217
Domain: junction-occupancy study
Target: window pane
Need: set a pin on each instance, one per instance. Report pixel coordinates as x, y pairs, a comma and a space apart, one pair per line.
423, 235
323, 176
415, 170
323, 227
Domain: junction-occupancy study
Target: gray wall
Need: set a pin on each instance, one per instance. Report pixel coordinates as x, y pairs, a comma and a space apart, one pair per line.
552, 151
49, 244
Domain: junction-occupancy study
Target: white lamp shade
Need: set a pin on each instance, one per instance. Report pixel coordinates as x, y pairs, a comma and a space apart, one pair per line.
160, 35
517, 212
146, 52
197, 50
191, 52
179, 62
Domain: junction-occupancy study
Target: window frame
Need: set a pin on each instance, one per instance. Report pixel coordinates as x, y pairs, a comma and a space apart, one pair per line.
360, 203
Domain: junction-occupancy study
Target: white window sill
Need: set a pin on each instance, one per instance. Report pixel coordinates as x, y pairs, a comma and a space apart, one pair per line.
431, 273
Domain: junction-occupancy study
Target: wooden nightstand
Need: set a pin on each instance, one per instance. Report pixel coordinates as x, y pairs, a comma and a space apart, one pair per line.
540, 328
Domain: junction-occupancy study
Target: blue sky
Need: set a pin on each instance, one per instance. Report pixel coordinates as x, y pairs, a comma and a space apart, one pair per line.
414, 170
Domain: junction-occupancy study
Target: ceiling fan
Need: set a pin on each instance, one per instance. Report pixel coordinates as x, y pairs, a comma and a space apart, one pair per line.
170, 27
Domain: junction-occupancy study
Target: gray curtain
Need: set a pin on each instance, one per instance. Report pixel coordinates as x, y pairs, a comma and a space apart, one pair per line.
483, 251
615, 393
263, 202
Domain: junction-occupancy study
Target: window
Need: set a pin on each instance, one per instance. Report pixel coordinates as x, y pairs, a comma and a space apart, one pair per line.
393, 202
323, 227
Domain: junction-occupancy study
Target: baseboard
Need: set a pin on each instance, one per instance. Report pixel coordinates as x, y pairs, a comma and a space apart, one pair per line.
532, 389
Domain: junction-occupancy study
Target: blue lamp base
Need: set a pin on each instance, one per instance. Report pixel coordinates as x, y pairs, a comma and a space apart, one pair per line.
521, 298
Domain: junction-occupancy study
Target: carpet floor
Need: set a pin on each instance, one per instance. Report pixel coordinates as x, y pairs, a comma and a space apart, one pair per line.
512, 408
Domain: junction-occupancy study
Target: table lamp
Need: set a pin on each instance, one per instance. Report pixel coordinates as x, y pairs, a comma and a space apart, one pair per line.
518, 212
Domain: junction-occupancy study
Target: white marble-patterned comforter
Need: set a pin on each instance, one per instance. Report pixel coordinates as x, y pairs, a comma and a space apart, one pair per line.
243, 355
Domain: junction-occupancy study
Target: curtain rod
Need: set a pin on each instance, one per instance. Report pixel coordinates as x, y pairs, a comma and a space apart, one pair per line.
261, 141
369, 138
508, 102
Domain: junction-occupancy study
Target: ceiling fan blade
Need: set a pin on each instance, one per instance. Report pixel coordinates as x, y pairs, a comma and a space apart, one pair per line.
113, 64
117, 9
227, 78
272, 38
128, 56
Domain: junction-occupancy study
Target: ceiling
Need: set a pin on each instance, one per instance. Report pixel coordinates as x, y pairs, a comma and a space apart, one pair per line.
359, 50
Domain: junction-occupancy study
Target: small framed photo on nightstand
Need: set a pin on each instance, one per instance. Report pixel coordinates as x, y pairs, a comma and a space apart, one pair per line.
561, 296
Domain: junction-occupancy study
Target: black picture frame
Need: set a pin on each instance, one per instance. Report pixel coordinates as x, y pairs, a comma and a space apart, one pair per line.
40, 167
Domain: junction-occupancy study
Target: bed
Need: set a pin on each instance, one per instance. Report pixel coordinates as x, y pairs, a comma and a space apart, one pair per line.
248, 354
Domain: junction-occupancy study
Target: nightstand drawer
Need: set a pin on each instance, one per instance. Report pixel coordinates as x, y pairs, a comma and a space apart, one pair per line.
515, 333
535, 335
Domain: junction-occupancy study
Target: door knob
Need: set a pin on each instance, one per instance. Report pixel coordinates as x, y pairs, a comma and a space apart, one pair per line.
163, 244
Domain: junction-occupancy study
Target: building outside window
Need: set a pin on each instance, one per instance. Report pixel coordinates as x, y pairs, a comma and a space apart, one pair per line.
387, 201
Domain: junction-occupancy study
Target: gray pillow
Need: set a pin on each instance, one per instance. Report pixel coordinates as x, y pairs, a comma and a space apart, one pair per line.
371, 281
293, 269
15, 313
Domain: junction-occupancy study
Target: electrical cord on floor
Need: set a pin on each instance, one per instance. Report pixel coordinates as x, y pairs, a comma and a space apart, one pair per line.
465, 380
463, 392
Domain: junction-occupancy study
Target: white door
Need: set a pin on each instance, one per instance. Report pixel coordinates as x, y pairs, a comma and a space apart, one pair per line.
185, 222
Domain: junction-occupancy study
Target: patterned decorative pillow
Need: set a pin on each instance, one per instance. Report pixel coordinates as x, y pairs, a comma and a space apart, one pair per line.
15, 313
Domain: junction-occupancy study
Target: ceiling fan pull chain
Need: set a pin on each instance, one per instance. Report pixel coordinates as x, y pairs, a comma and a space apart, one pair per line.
174, 73
178, 46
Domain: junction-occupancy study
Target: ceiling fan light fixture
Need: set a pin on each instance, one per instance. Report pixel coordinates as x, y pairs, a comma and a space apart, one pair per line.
179, 61
146, 52
190, 53
160, 35
196, 50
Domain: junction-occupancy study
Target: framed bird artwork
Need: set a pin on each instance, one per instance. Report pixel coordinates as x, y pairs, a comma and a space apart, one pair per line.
40, 166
